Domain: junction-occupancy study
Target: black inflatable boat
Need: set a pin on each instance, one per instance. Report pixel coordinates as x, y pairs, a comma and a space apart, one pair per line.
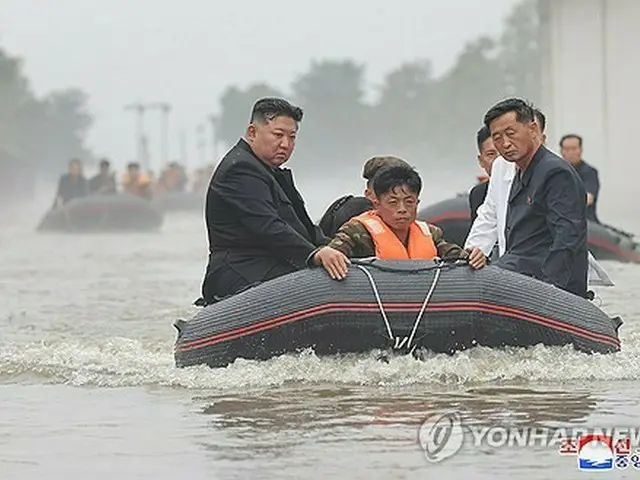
605, 242
103, 213
180, 202
401, 305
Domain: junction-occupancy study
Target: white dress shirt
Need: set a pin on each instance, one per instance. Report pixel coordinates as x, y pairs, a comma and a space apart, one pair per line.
488, 227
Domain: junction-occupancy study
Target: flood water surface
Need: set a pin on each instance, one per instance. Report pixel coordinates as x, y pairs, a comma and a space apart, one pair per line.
88, 385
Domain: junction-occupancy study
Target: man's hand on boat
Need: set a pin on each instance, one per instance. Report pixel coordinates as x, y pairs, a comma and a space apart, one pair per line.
334, 262
477, 259
337, 264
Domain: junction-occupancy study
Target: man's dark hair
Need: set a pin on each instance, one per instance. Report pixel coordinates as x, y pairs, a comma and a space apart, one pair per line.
266, 109
542, 120
569, 136
134, 165
389, 178
482, 136
374, 164
104, 163
524, 111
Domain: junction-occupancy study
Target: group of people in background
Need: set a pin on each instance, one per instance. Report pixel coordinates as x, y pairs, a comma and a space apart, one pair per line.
173, 179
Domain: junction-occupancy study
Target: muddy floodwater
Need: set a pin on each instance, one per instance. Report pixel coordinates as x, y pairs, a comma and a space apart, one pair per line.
88, 387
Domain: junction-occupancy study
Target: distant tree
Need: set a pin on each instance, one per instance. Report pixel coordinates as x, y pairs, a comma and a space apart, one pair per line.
335, 128
63, 128
519, 57
44, 132
235, 110
402, 114
18, 107
463, 95
37, 136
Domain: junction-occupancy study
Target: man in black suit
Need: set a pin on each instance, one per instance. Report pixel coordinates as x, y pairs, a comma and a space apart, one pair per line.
487, 153
571, 150
257, 223
546, 224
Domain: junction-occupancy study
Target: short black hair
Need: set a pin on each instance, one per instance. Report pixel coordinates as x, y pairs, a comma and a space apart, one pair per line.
391, 177
542, 120
268, 108
135, 165
569, 136
105, 163
523, 109
482, 136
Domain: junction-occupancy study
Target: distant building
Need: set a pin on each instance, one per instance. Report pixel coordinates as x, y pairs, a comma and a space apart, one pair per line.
591, 86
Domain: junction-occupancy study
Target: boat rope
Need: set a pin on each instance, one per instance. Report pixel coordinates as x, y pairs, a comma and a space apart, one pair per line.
407, 342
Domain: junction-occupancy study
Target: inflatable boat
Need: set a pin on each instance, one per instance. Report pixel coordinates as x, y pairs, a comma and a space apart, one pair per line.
103, 213
453, 216
397, 305
180, 202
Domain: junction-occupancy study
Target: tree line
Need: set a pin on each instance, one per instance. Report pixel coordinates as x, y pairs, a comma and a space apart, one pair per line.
425, 118
38, 135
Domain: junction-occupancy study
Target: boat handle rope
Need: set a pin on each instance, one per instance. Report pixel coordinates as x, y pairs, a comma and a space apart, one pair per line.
399, 343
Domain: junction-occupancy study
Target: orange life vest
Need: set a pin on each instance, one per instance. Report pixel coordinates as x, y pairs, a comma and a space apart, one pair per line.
389, 247
135, 187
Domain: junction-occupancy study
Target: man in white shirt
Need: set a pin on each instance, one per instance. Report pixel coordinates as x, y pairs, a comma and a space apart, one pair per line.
489, 225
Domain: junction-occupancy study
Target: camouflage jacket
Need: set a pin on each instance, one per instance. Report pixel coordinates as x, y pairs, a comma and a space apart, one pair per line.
354, 240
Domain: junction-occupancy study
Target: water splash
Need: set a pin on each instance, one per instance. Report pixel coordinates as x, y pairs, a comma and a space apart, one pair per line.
120, 362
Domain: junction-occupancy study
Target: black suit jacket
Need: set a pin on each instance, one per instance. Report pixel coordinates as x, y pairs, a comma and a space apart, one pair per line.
476, 198
589, 176
256, 220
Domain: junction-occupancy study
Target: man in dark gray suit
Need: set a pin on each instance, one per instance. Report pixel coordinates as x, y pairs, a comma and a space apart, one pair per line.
546, 225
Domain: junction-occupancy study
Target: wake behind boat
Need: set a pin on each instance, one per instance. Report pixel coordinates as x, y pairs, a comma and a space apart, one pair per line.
401, 305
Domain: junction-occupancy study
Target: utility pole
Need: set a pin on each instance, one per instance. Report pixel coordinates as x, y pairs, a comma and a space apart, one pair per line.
165, 109
140, 137
213, 122
201, 142
184, 159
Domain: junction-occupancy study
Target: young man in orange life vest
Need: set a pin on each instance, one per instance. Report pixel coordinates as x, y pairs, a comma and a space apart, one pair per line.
390, 231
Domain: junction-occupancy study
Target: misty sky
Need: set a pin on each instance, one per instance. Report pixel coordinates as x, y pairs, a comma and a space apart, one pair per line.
186, 52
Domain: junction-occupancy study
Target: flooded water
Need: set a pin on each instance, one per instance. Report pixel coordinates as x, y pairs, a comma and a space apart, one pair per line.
88, 384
